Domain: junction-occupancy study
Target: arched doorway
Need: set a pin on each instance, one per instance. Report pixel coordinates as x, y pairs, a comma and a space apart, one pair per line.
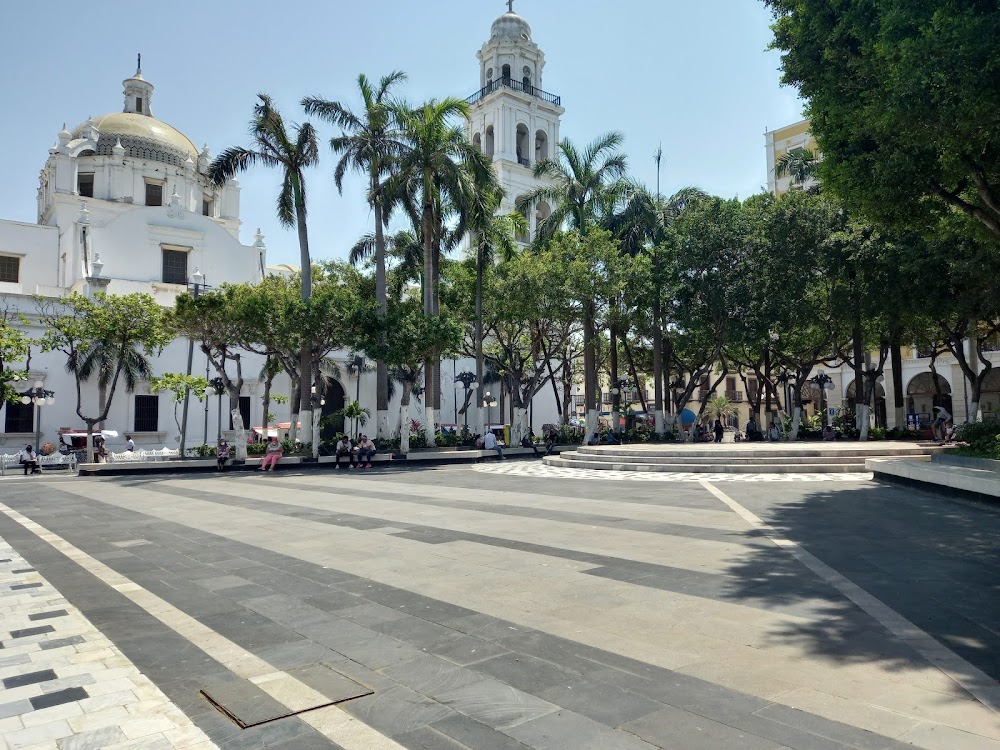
989, 395
926, 391
335, 400
541, 146
880, 412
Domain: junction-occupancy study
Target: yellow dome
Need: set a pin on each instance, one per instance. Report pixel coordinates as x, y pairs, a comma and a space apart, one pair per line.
143, 137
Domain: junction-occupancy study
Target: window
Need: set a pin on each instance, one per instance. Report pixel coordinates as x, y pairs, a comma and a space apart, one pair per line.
20, 417
85, 184
147, 413
10, 268
175, 266
207, 205
154, 194
505, 72
244, 413
138, 104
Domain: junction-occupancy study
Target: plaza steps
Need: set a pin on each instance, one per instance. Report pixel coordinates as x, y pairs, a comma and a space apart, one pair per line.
747, 458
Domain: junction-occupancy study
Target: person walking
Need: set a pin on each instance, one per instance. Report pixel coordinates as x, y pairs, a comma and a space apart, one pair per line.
719, 430
29, 459
491, 443
222, 454
272, 455
366, 451
343, 449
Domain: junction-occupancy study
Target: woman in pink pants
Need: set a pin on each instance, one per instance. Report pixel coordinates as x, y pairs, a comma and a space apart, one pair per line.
271, 456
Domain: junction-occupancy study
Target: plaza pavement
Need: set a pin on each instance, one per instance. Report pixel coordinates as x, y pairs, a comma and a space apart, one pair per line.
497, 608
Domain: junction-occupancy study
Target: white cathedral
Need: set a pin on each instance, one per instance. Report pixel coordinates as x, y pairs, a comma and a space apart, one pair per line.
125, 205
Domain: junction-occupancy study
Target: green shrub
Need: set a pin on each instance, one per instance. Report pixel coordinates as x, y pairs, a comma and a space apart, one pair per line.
876, 433
983, 438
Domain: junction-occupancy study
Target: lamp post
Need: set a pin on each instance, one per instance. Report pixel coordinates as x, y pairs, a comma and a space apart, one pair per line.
38, 396
488, 401
197, 281
825, 383
467, 381
617, 390
219, 386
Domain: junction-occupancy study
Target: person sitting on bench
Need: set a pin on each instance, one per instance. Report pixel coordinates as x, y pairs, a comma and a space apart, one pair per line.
272, 455
366, 451
344, 450
29, 460
491, 443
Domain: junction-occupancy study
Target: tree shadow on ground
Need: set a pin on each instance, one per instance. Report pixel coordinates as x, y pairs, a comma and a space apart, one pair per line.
933, 560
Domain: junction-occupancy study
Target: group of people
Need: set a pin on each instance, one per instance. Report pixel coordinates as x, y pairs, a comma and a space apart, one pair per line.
358, 455
491, 442
755, 435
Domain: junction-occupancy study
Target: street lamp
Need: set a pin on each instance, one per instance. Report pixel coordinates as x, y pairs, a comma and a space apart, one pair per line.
38, 396
196, 284
468, 382
825, 383
219, 386
620, 387
488, 402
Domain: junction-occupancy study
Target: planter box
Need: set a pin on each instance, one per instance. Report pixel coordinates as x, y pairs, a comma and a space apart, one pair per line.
948, 458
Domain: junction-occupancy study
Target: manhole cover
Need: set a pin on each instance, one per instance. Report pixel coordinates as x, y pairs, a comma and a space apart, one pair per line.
283, 694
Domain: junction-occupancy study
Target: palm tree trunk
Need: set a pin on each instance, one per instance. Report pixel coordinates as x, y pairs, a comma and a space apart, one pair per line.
429, 364
616, 398
896, 359
659, 425
480, 374
860, 403
381, 368
305, 355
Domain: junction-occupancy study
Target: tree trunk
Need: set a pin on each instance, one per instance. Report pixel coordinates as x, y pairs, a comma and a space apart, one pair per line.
660, 425
616, 398
429, 364
519, 425
305, 355
859, 372
635, 374
589, 372
404, 419
381, 368
896, 356
480, 369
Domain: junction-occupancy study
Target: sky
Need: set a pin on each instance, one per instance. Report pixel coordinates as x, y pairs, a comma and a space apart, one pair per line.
694, 76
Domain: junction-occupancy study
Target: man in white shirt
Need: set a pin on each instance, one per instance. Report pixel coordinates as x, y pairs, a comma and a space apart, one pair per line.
30, 461
490, 443
941, 418
129, 444
344, 451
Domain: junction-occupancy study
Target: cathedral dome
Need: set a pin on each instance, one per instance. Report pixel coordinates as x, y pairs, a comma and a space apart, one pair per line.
142, 136
511, 26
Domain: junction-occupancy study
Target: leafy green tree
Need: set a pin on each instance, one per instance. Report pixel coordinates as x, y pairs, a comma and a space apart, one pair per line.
369, 144
583, 186
178, 386
903, 102
800, 164
440, 166
358, 414
292, 151
14, 347
126, 328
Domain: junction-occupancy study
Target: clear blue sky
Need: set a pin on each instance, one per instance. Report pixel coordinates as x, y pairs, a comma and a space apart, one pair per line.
695, 75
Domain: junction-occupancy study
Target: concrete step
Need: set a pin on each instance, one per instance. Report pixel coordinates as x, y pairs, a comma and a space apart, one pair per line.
762, 450
951, 480
569, 461
763, 460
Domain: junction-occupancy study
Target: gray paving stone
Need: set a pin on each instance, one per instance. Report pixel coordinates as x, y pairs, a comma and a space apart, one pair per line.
416, 631
378, 652
600, 701
525, 672
427, 738
61, 642
47, 615
58, 697
29, 678
288, 611
466, 649
14, 708
495, 704
832, 730
430, 675
472, 734
674, 727
96, 739
369, 614
397, 711
336, 632
565, 730
301, 653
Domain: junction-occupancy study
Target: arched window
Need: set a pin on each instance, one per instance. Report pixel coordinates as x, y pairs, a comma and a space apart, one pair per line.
541, 146
522, 146
526, 80
490, 141
489, 76
505, 72
477, 141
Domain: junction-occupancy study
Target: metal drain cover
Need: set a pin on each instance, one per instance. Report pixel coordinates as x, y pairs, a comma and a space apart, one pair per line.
283, 694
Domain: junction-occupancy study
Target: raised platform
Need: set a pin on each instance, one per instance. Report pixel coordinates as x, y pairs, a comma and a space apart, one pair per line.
957, 476
742, 458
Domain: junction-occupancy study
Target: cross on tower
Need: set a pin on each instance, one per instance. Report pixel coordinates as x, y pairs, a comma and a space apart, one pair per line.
510, 6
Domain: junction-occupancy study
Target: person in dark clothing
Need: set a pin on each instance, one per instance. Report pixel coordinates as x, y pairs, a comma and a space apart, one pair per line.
719, 430
527, 442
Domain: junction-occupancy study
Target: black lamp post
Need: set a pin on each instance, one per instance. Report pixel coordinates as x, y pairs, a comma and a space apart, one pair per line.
620, 387
824, 383
38, 396
219, 385
467, 381
488, 401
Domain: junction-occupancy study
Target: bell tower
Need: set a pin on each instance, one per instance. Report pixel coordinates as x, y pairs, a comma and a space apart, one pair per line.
512, 119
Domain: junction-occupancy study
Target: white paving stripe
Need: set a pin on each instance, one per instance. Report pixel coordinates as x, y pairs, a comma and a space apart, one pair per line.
984, 688
332, 721
541, 471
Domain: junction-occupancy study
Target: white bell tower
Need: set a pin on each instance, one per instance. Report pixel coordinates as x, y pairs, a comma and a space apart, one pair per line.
512, 119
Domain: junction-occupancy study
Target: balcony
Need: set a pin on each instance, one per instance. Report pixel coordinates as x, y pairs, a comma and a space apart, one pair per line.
510, 83
735, 396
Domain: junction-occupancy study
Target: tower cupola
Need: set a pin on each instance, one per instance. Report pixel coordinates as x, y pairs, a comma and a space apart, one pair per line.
138, 93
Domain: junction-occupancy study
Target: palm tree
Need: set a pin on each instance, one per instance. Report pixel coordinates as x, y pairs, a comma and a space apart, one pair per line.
405, 248
799, 163
720, 407
440, 165
292, 151
584, 187
369, 144
104, 359
641, 225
